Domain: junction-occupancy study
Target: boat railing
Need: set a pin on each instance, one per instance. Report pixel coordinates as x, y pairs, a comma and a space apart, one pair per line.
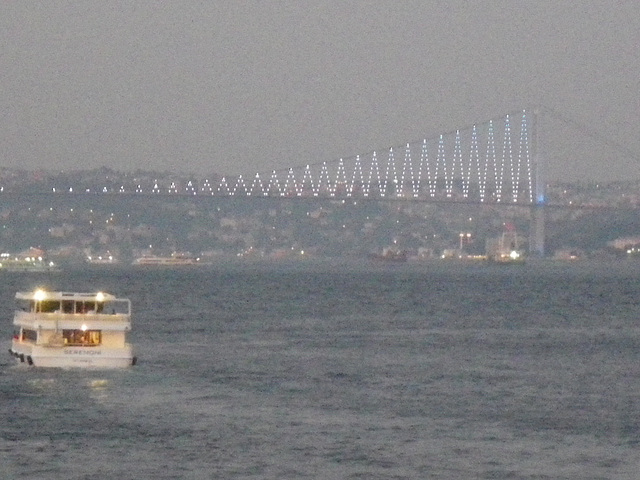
57, 316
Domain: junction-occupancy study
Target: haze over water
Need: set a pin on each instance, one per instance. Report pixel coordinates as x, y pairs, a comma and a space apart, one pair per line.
338, 370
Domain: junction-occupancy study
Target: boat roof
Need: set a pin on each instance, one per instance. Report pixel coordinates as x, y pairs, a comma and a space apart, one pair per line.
47, 295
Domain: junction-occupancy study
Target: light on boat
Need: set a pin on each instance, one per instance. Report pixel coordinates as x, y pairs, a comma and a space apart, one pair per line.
514, 255
39, 295
100, 297
83, 327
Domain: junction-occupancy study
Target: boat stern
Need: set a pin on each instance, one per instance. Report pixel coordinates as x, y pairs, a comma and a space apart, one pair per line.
22, 352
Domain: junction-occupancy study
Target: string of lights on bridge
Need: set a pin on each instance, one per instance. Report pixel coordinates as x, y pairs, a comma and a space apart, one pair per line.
489, 162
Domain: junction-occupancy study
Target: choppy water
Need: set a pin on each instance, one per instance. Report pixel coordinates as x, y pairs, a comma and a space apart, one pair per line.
342, 371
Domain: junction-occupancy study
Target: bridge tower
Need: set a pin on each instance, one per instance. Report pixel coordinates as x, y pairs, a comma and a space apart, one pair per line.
536, 229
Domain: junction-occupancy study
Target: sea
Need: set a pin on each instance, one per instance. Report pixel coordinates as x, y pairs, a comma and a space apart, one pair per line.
340, 370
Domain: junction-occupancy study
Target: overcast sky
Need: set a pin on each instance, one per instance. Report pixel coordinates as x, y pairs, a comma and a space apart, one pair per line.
238, 87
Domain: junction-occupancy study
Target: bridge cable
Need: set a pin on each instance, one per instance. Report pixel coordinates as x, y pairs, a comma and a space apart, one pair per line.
589, 132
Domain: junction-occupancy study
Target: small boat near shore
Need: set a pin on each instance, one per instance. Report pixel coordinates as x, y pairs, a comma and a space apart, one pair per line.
67, 329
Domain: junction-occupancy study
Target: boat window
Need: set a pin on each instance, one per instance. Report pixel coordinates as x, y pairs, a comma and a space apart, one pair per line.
85, 307
85, 338
29, 335
49, 306
67, 306
25, 305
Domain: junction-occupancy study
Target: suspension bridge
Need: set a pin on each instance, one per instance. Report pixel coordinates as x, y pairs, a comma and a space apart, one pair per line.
493, 162
496, 162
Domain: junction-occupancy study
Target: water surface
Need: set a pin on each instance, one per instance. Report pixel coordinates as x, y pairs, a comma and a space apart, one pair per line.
341, 370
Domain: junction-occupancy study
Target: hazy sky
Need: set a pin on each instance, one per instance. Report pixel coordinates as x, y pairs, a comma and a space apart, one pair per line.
245, 86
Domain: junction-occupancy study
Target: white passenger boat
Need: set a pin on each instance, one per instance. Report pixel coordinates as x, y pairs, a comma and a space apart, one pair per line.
175, 260
26, 262
65, 329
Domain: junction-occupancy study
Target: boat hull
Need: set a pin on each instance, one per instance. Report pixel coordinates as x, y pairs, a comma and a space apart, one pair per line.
70, 357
